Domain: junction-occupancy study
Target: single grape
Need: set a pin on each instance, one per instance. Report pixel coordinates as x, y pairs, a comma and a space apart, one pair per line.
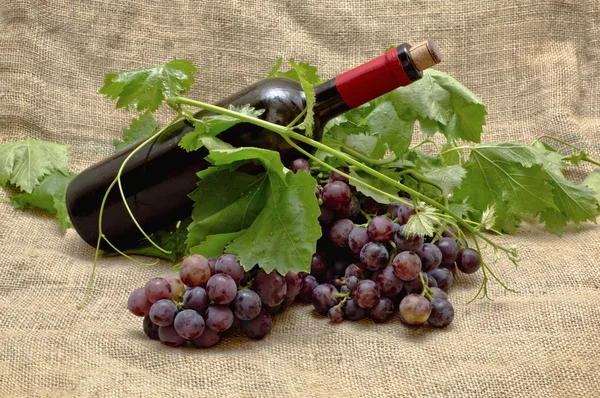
308, 285
354, 270
221, 288
374, 256
468, 261
196, 299
177, 287
442, 276
382, 311
451, 267
336, 195
326, 216
157, 289
432, 282
357, 238
449, 249
189, 324
219, 318
259, 326
163, 312
406, 243
207, 339
194, 270
299, 164
449, 232
169, 336
318, 265
393, 209
438, 293
293, 282
415, 309
442, 313
335, 314
344, 289
150, 329
406, 265
351, 282
415, 285
387, 281
338, 177
366, 293
247, 304
212, 261
430, 256
404, 212
352, 311
229, 264
138, 303
271, 287
323, 298
339, 232
380, 229
351, 211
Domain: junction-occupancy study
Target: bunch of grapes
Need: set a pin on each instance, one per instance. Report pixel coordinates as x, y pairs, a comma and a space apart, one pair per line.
211, 298
367, 266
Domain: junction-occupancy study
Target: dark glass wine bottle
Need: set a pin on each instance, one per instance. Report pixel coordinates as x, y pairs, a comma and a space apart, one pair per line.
158, 178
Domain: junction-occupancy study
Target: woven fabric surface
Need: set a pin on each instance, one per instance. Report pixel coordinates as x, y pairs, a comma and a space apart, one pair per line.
535, 64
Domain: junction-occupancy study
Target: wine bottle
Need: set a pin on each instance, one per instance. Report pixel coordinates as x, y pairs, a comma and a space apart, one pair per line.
157, 180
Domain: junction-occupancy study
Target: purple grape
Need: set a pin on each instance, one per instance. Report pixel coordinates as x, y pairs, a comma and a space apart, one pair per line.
354, 270
449, 232
468, 261
387, 281
169, 336
228, 264
323, 298
299, 164
162, 313
258, 327
219, 318
414, 309
374, 256
212, 261
294, 284
150, 329
326, 216
352, 311
393, 209
338, 177
382, 311
308, 285
336, 195
442, 313
380, 229
357, 238
406, 243
371, 206
406, 265
189, 324
157, 289
196, 299
351, 211
430, 256
138, 303
221, 288
271, 287
366, 294
339, 232
405, 212
351, 282
335, 314
317, 265
344, 289
208, 339
449, 250
442, 276
195, 270
451, 267
247, 305
438, 293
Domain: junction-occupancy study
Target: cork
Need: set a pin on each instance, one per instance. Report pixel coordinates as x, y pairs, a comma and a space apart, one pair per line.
425, 55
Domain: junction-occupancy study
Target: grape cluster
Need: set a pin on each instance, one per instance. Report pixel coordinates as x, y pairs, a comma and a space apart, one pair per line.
211, 298
367, 267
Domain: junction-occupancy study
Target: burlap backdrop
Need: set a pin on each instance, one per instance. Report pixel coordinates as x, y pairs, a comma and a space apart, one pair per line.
535, 64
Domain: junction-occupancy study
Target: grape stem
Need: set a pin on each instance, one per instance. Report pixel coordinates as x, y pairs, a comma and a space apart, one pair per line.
366, 159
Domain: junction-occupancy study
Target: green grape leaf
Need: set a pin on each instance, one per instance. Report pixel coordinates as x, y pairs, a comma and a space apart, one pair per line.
146, 89
592, 181
369, 145
214, 245
307, 76
376, 183
24, 163
389, 123
143, 127
211, 126
423, 223
48, 195
449, 177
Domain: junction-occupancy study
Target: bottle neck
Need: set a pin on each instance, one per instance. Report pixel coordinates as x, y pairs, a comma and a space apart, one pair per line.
366, 82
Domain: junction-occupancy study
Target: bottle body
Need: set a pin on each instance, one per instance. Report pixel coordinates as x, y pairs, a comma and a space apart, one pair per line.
158, 179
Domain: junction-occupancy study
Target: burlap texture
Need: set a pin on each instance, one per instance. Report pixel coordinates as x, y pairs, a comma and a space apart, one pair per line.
535, 64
